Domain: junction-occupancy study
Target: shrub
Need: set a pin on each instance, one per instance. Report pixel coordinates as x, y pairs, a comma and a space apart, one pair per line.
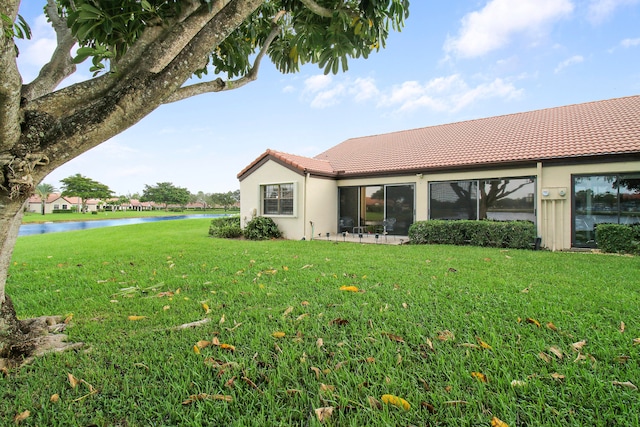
261, 228
507, 234
617, 238
225, 227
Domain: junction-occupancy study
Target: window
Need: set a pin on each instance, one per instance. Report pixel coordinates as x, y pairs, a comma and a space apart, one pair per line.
277, 199
600, 199
501, 199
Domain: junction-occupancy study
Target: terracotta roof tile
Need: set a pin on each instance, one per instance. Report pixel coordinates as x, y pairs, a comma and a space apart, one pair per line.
591, 129
581, 130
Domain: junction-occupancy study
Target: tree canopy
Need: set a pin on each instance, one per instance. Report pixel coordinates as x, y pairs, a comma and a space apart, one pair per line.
165, 193
143, 55
85, 188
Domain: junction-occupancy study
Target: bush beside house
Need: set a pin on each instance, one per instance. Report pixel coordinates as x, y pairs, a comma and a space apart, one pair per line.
507, 234
617, 238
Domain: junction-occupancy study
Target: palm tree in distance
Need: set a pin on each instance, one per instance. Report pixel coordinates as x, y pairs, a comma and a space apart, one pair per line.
44, 190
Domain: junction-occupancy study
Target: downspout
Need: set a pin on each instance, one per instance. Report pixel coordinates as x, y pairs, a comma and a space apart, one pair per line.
539, 210
304, 206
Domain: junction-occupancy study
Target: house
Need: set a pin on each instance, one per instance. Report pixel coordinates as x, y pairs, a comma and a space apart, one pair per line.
54, 202
567, 169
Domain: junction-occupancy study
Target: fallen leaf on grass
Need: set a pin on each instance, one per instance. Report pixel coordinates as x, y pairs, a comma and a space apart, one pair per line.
479, 376
551, 326
204, 396
339, 321
293, 391
287, 311
319, 343
636, 341
393, 337
349, 288
278, 334
497, 422
54, 398
205, 307
252, 384
202, 344
134, 318
621, 359
196, 350
317, 371
470, 345
577, 346
399, 402
327, 388
518, 383
533, 321
21, 416
429, 407
73, 380
228, 347
324, 413
626, 384
557, 376
555, 350
302, 316
483, 344
621, 327
545, 357
374, 403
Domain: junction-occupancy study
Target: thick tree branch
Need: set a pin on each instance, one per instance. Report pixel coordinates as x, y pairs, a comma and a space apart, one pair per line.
60, 66
10, 84
219, 85
317, 9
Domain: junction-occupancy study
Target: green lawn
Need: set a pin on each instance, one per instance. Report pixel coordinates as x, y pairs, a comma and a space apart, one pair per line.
427, 324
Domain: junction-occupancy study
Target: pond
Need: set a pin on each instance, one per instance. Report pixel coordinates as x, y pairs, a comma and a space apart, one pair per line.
56, 227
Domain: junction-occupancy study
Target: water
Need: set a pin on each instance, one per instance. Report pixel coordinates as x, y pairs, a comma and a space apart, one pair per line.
56, 227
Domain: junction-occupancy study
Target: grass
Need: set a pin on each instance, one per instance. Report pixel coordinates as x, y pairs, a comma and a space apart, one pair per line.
31, 217
341, 349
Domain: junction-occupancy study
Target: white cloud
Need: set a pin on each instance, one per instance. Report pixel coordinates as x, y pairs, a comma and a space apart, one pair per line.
323, 91
630, 42
601, 10
499, 21
317, 83
575, 59
446, 94
363, 89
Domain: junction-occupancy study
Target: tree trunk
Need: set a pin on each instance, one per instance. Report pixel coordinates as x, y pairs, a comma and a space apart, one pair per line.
11, 336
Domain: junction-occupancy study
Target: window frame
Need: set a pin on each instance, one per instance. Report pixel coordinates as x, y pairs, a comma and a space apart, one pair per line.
281, 209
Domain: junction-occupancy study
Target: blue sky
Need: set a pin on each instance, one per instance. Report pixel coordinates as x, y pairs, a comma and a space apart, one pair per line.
454, 61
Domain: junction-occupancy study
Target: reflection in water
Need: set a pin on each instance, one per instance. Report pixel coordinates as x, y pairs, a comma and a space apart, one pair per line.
55, 227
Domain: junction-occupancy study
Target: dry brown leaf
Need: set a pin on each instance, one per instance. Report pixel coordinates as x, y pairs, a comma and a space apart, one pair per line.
227, 347
278, 334
636, 341
215, 341
134, 318
533, 321
196, 350
429, 407
21, 416
229, 382
252, 384
293, 391
349, 288
393, 337
73, 380
317, 371
430, 344
302, 316
551, 326
470, 345
621, 327
287, 311
557, 376
326, 387
577, 346
399, 359
54, 398
621, 359
304, 303
518, 383
319, 342
339, 365
446, 335
555, 350
222, 320
626, 384
205, 307
497, 422
68, 319
374, 403
324, 413
545, 357
202, 344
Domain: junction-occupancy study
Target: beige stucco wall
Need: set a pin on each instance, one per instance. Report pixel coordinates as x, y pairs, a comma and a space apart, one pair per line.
317, 199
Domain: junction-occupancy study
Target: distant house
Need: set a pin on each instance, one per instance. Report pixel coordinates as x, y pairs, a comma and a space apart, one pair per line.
567, 169
54, 202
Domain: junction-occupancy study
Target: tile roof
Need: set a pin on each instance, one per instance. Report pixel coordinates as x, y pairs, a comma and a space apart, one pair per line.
600, 128
300, 163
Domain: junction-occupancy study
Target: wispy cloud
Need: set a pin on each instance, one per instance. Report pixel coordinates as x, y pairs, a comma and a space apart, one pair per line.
575, 59
601, 10
499, 21
446, 94
626, 43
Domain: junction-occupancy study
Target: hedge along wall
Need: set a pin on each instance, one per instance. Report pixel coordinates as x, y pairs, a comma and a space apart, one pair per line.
497, 234
617, 238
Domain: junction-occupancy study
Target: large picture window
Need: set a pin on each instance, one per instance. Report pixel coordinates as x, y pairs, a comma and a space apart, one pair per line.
502, 199
600, 199
277, 199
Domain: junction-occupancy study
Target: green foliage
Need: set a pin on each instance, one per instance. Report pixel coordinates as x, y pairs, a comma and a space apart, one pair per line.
618, 238
166, 193
85, 188
498, 234
106, 29
225, 227
261, 228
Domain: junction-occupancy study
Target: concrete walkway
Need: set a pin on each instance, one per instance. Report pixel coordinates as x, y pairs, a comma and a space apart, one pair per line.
367, 238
